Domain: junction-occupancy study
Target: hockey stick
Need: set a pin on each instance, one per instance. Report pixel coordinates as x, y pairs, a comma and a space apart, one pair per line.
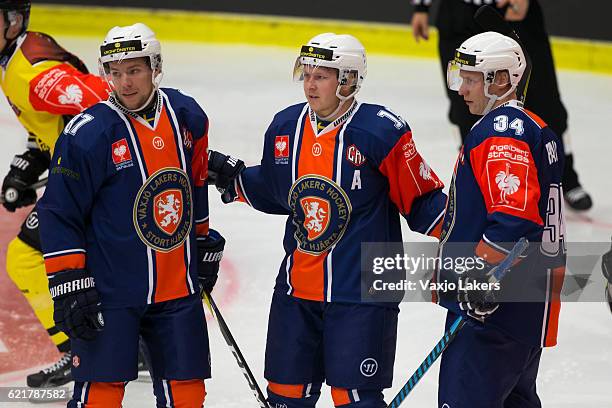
231, 343
490, 20
11, 192
451, 333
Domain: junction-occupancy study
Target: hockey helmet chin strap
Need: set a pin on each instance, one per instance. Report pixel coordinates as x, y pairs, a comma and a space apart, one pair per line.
342, 100
494, 98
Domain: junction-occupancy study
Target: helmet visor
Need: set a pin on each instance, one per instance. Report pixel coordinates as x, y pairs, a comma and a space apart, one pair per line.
453, 77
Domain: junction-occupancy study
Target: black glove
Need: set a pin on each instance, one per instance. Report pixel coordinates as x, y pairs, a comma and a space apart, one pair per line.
25, 170
77, 309
222, 172
210, 252
476, 293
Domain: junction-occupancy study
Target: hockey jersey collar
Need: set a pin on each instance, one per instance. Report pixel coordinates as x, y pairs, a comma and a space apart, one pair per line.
312, 117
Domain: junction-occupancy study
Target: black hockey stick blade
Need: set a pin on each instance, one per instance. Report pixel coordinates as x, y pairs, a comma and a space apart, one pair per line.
489, 19
231, 343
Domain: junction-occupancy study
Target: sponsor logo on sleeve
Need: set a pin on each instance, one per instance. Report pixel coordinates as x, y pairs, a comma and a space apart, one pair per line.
281, 149
120, 152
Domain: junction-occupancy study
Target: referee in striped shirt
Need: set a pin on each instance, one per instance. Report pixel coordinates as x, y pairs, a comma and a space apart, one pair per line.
455, 23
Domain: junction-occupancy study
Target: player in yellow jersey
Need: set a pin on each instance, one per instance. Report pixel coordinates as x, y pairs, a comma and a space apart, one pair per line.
45, 86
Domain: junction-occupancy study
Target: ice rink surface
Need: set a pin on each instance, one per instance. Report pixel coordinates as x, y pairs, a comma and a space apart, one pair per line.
241, 88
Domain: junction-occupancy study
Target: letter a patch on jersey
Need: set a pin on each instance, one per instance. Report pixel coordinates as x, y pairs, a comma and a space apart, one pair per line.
281, 149
508, 184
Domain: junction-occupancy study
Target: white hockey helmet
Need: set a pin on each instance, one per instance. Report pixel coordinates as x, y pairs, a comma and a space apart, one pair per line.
340, 51
134, 41
488, 52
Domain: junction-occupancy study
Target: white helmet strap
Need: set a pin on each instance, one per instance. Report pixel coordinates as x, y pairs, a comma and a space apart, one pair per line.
492, 97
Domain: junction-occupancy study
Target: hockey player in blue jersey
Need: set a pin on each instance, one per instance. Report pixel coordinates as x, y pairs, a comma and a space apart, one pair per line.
124, 229
342, 172
506, 185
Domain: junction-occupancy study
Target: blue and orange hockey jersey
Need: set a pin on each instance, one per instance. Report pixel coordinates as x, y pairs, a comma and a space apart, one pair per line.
339, 187
126, 199
507, 185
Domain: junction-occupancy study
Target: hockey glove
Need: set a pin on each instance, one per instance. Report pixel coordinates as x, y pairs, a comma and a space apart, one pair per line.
210, 252
25, 170
606, 268
77, 309
222, 172
476, 295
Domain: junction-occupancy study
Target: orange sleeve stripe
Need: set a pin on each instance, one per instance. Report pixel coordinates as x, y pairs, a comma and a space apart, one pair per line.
239, 194
202, 229
199, 162
437, 230
103, 394
536, 118
187, 393
552, 329
489, 254
340, 396
61, 263
286, 390
492, 255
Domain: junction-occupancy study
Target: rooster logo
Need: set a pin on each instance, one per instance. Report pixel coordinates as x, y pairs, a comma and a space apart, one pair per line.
119, 151
72, 95
508, 183
281, 145
425, 171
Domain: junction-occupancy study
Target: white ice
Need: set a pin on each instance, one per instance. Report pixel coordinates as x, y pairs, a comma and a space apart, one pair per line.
241, 87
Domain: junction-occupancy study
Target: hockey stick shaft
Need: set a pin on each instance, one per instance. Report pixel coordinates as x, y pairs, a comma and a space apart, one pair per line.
40, 183
451, 333
231, 343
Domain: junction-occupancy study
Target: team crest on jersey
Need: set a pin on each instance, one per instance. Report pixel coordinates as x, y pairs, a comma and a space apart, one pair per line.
354, 156
281, 149
163, 210
321, 211
316, 216
168, 210
122, 157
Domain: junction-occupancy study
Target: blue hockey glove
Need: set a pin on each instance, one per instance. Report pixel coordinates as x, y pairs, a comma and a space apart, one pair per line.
476, 294
210, 252
77, 309
222, 172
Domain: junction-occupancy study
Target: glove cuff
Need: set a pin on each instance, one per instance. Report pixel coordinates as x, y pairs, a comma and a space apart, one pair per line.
69, 282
